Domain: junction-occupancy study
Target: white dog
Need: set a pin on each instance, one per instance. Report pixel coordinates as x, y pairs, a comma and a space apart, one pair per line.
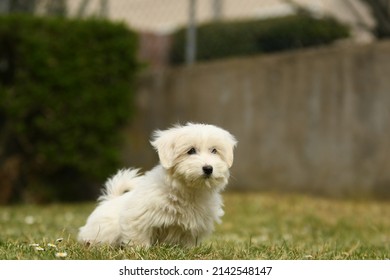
177, 202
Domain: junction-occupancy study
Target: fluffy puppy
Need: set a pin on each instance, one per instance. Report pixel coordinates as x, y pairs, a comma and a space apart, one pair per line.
177, 202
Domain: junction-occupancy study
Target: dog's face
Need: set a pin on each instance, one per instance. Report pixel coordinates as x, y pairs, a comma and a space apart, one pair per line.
197, 154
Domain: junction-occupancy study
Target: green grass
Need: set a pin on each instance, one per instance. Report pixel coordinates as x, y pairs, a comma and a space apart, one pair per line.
255, 226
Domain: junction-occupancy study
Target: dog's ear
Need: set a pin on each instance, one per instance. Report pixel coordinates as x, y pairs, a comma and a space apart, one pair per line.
163, 143
231, 143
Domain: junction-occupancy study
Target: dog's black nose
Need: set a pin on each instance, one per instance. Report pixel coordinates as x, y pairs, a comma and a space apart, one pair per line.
207, 169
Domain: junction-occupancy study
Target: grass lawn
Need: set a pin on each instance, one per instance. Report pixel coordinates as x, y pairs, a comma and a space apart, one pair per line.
255, 226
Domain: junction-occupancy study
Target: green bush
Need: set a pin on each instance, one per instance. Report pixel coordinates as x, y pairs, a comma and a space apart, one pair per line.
66, 91
238, 38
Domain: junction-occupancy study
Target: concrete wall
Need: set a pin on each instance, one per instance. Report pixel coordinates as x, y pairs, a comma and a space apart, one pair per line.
313, 120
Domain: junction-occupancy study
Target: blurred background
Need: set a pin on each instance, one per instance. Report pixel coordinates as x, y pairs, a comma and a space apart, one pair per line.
303, 85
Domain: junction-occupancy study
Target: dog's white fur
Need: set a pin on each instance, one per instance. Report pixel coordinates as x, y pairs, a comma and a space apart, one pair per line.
175, 203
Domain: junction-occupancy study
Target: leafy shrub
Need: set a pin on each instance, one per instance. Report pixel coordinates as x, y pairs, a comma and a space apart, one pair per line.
66, 90
226, 39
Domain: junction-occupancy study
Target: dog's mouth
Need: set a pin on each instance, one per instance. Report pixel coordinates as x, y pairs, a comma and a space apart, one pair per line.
207, 177
204, 180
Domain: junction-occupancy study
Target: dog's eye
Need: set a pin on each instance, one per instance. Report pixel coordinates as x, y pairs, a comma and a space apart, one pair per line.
214, 151
191, 151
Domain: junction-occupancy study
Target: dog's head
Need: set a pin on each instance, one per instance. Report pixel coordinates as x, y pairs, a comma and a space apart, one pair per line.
197, 154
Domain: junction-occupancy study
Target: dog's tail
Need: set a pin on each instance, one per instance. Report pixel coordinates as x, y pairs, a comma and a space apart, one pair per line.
122, 182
